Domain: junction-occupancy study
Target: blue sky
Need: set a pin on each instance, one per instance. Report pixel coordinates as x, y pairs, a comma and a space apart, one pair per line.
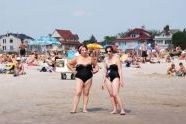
87, 17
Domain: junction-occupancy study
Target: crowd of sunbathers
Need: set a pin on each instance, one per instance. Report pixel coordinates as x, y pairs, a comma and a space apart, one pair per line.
15, 64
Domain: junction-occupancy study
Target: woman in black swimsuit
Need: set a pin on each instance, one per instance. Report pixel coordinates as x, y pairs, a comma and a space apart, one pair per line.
85, 68
113, 79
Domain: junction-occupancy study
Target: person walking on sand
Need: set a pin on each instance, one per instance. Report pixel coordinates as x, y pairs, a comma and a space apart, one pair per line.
113, 79
85, 67
22, 48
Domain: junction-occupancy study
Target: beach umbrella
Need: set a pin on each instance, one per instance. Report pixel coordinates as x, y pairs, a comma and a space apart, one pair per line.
149, 47
90, 46
51, 41
45, 40
94, 46
70, 54
31, 42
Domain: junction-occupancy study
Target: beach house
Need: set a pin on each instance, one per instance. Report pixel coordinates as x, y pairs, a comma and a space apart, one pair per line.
164, 39
133, 39
67, 38
10, 42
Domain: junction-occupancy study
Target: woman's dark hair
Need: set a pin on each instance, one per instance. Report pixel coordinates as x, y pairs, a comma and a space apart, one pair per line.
107, 47
82, 46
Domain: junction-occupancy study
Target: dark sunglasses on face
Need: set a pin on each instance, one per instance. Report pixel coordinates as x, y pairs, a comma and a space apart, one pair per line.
109, 51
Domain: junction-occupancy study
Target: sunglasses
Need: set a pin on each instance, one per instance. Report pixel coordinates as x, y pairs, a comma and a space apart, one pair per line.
109, 51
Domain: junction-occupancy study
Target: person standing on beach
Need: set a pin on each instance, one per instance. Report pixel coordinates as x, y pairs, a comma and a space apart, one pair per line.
113, 79
144, 51
85, 67
22, 48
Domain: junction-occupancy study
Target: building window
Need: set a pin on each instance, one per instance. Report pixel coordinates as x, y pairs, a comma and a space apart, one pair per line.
11, 40
4, 47
159, 41
11, 48
133, 35
167, 41
4, 41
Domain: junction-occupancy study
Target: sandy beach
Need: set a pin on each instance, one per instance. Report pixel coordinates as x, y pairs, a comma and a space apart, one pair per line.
150, 96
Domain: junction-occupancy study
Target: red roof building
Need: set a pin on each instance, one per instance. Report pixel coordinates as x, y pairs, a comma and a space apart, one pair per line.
67, 38
134, 38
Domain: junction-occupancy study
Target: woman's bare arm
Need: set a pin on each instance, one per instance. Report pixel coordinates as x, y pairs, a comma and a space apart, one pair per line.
71, 64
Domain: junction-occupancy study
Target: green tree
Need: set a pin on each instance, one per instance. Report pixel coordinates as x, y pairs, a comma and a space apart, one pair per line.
179, 39
122, 34
108, 40
154, 32
91, 40
184, 31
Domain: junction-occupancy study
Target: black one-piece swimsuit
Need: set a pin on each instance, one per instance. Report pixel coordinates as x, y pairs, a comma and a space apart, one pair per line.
112, 72
84, 72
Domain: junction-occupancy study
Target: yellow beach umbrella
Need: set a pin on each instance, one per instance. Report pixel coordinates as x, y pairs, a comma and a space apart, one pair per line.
90, 46
94, 46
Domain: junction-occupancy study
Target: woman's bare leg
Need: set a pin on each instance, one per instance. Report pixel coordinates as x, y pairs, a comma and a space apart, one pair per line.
86, 90
116, 86
78, 90
110, 90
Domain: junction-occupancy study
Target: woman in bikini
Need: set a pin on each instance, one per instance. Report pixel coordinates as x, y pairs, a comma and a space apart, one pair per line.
85, 67
113, 79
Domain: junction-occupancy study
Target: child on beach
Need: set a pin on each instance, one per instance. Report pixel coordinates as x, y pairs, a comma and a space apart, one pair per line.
171, 70
182, 70
19, 68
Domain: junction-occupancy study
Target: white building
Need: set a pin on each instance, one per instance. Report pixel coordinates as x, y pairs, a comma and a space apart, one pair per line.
164, 39
10, 42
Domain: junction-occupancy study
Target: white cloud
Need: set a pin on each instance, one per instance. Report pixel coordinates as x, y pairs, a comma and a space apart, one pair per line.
80, 13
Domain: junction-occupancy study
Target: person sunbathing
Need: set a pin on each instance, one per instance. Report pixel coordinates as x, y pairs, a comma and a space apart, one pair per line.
19, 68
168, 59
171, 70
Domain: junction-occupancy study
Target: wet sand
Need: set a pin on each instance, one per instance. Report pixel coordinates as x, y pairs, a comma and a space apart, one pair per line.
149, 95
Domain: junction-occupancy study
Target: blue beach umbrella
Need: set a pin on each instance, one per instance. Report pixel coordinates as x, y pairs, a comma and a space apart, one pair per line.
45, 40
149, 47
70, 54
